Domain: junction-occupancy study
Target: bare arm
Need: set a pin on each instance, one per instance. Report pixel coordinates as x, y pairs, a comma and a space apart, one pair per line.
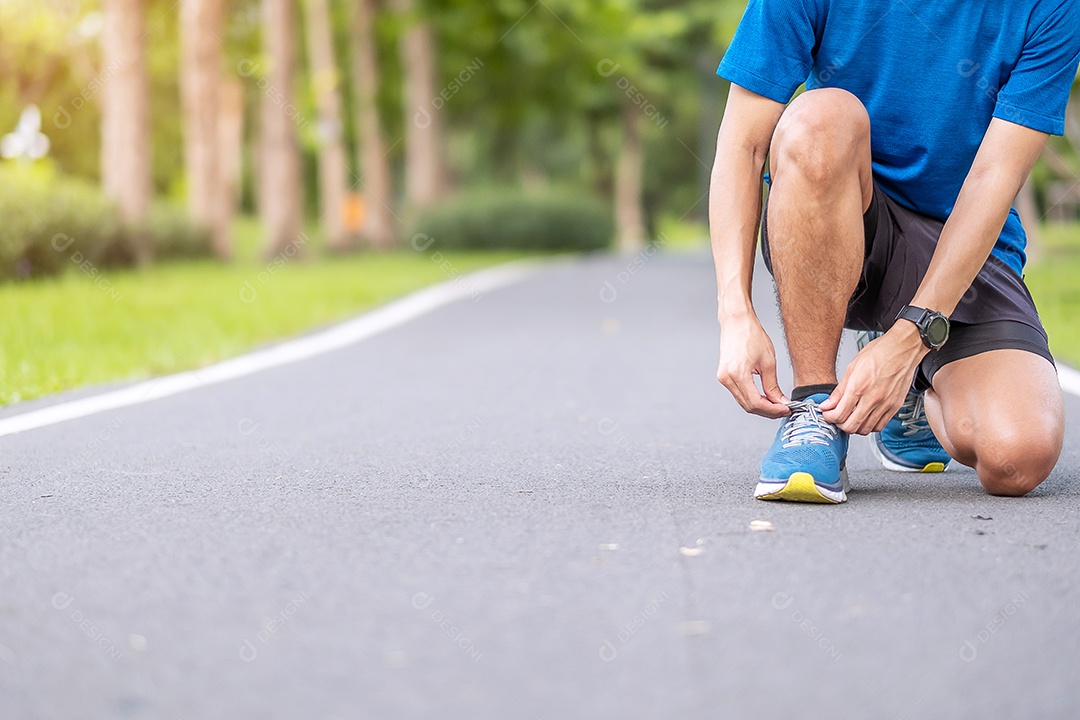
874, 385
735, 195
1001, 167
734, 214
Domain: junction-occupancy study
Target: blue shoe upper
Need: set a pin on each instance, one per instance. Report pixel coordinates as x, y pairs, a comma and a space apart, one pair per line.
908, 440
807, 443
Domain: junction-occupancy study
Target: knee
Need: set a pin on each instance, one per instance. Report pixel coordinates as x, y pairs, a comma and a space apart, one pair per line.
1015, 463
819, 134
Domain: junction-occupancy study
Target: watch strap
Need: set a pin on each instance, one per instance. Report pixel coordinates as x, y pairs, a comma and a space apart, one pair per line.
922, 319
913, 314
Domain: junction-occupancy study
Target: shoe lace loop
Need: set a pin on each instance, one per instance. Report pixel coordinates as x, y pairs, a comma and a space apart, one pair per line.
913, 415
807, 426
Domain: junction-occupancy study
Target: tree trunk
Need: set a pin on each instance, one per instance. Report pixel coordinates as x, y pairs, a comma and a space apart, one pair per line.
230, 142
599, 158
326, 83
125, 116
281, 193
201, 30
629, 181
714, 97
1072, 122
425, 160
374, 165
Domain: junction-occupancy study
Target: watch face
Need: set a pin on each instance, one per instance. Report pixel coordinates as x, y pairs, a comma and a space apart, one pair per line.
937, 331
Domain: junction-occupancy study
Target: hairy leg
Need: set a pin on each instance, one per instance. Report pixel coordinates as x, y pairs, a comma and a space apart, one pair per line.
1000, 412
822, 184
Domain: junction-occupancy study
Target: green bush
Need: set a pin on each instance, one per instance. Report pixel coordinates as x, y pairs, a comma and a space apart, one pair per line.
40, 214
174, 235
517, 221
50, 222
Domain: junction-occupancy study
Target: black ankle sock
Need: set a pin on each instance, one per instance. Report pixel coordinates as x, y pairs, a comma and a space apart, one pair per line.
805, 391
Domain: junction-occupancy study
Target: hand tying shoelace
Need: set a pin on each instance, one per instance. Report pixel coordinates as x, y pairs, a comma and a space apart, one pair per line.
807, 425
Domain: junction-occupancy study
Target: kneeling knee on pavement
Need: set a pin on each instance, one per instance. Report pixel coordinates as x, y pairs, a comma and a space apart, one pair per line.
1015, 465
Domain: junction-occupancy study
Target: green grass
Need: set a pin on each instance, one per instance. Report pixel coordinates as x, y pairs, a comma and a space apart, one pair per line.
74, 330
1054, 280
680, 234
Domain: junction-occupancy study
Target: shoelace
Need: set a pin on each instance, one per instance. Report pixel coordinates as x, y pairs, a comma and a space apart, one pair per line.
913, 415
807, 426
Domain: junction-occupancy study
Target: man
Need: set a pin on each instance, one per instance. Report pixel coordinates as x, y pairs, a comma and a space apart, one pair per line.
891, 179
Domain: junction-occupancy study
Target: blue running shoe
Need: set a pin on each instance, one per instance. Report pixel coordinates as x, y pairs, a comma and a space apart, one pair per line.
806, 461
907, 444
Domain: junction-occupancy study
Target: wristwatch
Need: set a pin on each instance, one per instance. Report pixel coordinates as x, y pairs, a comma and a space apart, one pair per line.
933, 326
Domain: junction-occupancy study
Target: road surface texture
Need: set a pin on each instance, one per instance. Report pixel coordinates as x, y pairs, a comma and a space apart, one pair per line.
535, 503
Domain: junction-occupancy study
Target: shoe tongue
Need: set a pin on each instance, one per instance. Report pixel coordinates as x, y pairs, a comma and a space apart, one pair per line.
817, 398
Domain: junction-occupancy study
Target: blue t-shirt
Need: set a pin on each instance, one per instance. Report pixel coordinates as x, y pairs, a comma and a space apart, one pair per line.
931, 75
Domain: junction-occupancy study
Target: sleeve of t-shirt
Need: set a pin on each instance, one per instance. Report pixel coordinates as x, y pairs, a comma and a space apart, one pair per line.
1037, 91
772, 51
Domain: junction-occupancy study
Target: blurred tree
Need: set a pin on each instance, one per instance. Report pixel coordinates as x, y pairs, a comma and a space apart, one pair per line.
201, 30
426, 175
629, 183
280, 196
603, 95
125, 116
1072, 120
627, 70
613, 97
374, 165
245, 76
230, 143
325, 83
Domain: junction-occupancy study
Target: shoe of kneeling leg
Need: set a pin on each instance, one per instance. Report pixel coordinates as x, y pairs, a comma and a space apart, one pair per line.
907, 444
806, 462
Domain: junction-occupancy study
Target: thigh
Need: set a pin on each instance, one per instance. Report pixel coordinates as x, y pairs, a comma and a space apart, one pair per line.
1001, 407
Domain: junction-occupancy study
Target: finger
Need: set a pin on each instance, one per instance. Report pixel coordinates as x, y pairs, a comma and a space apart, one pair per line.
771, 410
773, 414
886, 415
881, 423
868, 424
771, 386
877, 418
763, 405
856, 424
744, 391
731, 383
843, 406
857, 408
831, 402
875, 412
850, 426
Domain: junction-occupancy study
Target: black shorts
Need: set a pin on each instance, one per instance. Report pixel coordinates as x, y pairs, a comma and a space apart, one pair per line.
996, 313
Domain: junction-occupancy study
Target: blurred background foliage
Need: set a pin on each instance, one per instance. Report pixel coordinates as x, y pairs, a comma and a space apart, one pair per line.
221, 141
530, 98
614, 102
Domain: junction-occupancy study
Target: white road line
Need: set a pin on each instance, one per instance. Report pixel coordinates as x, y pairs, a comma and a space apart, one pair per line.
1070, 379
348, 333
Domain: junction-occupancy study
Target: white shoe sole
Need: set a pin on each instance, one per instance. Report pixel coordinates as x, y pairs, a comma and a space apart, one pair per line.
800, 487
934, 467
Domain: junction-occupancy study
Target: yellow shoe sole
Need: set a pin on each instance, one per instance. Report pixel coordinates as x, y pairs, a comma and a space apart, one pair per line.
934, 467
800, 487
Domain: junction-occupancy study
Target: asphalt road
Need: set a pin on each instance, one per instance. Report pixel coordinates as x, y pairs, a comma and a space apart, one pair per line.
536, 504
